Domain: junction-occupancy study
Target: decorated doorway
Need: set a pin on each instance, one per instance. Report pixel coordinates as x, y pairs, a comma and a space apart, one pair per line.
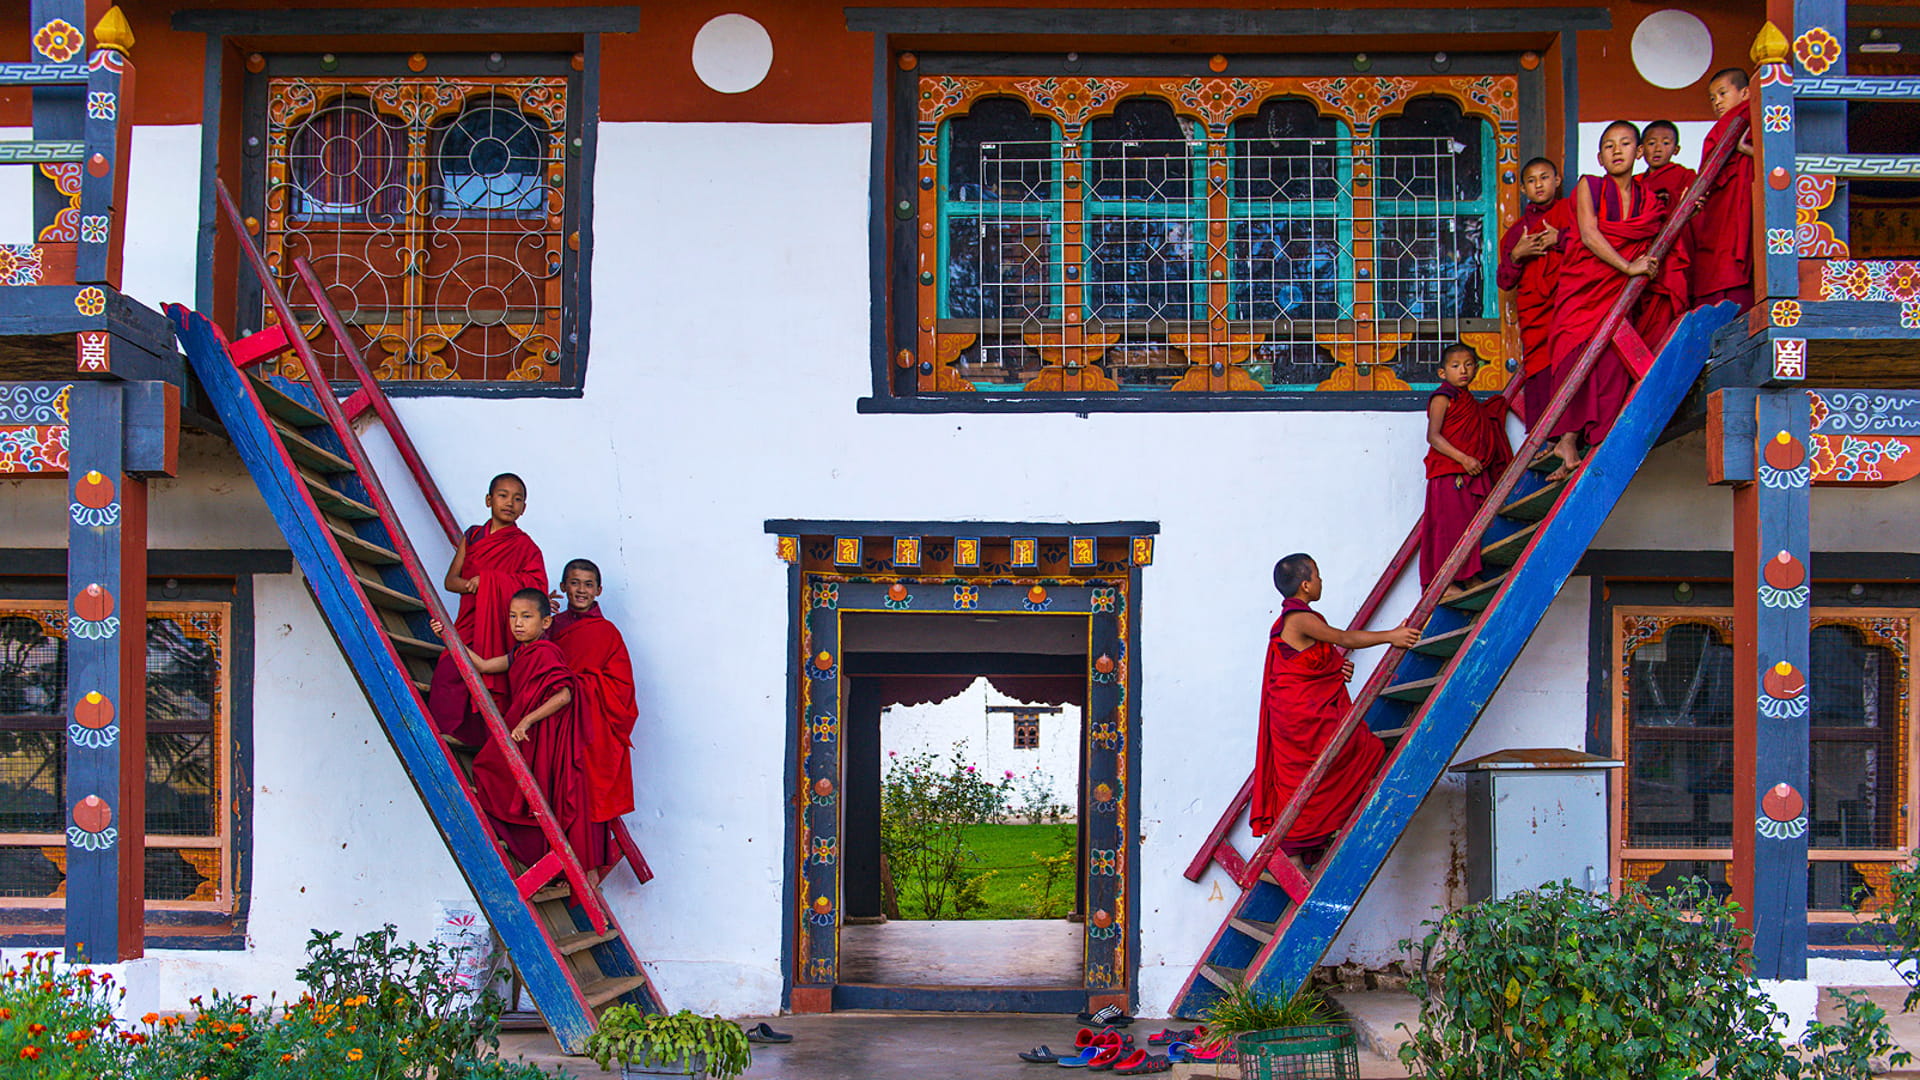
882, 612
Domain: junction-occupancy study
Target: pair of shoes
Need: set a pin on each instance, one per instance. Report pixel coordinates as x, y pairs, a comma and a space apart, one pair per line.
761, 1033
1086, 1037
1141, 1063
1040, 1055
1110, 1016
1097, 1050
1171, 1035
1221, 1052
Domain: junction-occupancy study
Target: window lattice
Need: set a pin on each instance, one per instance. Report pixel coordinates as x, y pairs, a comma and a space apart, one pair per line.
435, 210
1088, 234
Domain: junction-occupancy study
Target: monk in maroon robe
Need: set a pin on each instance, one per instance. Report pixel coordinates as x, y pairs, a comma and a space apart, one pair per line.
1530, 254
1467, 450
1668, 180
1303, 698
549, 734
1721, 235
493, 562
1618, 221
598, 656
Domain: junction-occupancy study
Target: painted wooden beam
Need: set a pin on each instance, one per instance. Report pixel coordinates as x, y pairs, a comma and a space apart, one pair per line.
103, 179
1819, 125
106, 683
1770, 702
43, 74
1776, 264
57, 33
1211, 21
551, 19
1730, 436
1857, 87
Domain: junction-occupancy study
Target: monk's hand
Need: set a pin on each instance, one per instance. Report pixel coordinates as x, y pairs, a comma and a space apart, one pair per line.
1346, 671
473, 585
1404, 637
439, 628
1474, 466
519, 732
1547, 237
1642, 265
553, 601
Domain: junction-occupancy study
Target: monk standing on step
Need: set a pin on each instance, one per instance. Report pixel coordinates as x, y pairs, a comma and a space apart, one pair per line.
598, 656
549, 732
1722, 234
1468, 448
1303, 698
1530, 254
492, 562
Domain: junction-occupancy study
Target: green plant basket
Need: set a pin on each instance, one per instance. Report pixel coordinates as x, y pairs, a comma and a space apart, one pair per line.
1316, 1052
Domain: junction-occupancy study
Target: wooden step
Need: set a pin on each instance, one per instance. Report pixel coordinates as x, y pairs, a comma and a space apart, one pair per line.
1415, 691
333, 502
424, 688
1533, 507
600, 991
1478, 597
358, 547
585, 939
1261, 932
382, 597
559, 890
1506, 551
1225, 978
309, 453
1392, 736
413, 646
284, 407
1444, 644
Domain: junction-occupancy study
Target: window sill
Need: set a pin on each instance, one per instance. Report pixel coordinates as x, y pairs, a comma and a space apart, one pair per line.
202, 931
1153, 402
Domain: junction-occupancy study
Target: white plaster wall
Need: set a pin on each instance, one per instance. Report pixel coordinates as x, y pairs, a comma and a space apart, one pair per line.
939, 727
729, 346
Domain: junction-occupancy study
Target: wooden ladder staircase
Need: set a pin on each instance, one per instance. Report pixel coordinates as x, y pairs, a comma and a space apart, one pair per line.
299, 444
1423, 702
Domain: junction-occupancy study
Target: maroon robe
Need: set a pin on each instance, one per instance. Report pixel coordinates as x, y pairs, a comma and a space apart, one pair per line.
1474, 428
1586, 292
1303, 698
1721, 236
598, 656
503, 561
556, 755
1532, 283
1669, 184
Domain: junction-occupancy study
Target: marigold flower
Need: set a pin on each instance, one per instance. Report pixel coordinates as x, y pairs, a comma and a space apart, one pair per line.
357, 999
351, 1028
103, 1022
236, 1028
35, 1029
226, 1046
354, 1054
79, 1036
31, 1053
285, 1058
149, 1019
6, 1014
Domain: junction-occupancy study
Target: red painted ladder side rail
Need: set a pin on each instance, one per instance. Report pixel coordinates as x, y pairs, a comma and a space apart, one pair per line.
1614, 330
371, 397
560, 859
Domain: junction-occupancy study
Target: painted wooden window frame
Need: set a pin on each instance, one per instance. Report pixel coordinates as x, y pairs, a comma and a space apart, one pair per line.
559, 370
1871, 863
912, 353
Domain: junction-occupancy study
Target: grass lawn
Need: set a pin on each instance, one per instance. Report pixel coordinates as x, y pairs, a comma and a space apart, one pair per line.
1012, 854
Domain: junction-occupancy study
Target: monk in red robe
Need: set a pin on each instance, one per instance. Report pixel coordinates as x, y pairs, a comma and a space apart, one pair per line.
1530, 254
1303, 698
493, 562
1668, 181
548, 733
1467, 450
1721, 235
598, 656
1618, 221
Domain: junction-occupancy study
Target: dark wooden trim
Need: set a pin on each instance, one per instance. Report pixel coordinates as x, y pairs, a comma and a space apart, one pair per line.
551, 19
1830, 566
959, 998
1570, 100
206, 233
1130, 760
1533, 113
790, 850
1178, 64
161, 562
1045, 529
584, 115
1275, 401
1599, 670
1308, 22
976, 663
880, 196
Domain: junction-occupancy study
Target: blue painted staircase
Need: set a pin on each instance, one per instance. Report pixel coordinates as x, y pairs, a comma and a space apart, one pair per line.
377, 599
1423, 702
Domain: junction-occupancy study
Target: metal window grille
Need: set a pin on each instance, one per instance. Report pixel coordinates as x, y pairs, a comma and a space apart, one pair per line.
437, 212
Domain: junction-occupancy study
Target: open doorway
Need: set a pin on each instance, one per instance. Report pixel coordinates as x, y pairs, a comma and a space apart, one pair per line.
964, 865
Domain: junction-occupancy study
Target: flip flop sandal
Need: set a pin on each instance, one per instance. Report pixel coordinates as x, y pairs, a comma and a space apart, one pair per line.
1104, 1061
1113, 1064
1153, 1064
1170, 1035
1080, 1060
1040, 1055
762, 1033
1111, 1016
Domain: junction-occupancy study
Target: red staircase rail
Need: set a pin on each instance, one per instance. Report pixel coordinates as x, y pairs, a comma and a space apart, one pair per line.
560, 851
1615, 323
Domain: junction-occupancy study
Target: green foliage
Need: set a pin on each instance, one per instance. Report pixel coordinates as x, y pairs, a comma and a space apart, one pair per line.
1560, 983
56, 1023
1032, 797
1054, 871
926, 808
628, 1036
1243, 1009
1898, 919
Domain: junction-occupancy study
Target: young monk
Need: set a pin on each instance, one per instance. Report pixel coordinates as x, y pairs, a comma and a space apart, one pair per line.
1468, 449
491, 563
598, 656
1618, 220
1530, 254
1668, 180
1721, 236
548, 731
1303, 698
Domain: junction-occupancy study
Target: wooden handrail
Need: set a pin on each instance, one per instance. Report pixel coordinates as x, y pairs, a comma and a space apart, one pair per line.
403, 546
1490, 507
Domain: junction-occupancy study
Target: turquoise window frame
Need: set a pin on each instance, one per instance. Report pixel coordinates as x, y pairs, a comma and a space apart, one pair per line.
1047, 210
1093, 210
1486, 208
1340, 208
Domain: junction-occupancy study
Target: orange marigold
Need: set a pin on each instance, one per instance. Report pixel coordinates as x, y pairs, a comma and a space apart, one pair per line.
354, 1054
285, 1058
79, 1036
31, 1053
35, 1029
226, 1046
149, 1019
6, 1014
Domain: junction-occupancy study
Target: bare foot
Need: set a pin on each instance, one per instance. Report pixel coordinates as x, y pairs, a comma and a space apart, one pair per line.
1453, 592
1569, 460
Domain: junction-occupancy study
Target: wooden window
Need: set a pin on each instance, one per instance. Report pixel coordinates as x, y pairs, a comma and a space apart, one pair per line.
1123, 233
189, 863
1674, 723
1026, 731
442, 210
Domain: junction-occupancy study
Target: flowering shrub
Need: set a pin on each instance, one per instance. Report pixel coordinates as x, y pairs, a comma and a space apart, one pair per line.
925, 808
56, 1022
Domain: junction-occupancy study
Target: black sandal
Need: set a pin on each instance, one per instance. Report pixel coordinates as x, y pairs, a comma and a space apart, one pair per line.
761, 1033
1040, 1055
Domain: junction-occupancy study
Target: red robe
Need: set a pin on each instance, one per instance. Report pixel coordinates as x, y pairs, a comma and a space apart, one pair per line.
1669, 184
1474, 428
1532, 283
1303, 698
1721, 237
556, 754
598, 656
504, 561
1586, 292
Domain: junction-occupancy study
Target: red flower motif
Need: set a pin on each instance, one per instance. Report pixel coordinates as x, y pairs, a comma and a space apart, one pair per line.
1816, 50
58, 41
1903, 281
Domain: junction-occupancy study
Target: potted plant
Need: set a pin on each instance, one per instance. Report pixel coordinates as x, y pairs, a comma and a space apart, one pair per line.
1275, 1036
682, 1044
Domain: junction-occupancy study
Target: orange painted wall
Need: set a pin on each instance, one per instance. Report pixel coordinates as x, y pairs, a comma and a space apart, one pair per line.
822, 72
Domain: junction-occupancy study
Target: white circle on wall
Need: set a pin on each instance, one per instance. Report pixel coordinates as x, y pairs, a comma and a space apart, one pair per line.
732, 53
1672, 48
